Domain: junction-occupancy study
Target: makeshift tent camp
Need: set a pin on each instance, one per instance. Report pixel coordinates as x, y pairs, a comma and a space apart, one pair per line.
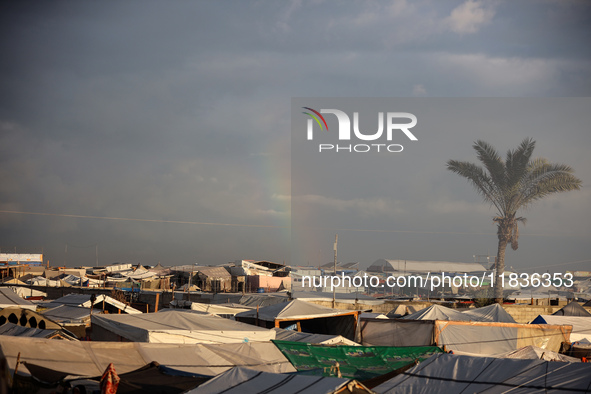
492, 313
581, 325
355, 362
465, 374
317, 339
572, 309
493, 338
9, 298
175, 326
308, 318
88, 358
248, 381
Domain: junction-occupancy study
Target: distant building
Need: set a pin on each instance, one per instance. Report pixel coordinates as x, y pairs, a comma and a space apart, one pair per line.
411, 266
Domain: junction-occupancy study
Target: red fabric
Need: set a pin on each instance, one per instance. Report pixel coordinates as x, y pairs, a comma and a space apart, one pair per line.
109, 380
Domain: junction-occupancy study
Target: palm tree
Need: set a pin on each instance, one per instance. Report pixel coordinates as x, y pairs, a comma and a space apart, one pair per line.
510, 185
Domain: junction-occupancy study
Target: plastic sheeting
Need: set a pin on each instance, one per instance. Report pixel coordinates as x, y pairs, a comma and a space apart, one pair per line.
91, 358
465, 374
248, 381
494, 338
317, 339
9, 298
356, 362
396, 332
581, 325
178, 326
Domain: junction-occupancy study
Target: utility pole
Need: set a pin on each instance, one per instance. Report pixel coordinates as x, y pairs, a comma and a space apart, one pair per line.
336, 240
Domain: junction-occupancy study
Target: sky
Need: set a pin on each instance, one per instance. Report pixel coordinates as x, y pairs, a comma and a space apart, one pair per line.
151, 131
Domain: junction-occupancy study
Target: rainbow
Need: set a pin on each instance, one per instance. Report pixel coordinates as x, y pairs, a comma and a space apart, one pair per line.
315, 118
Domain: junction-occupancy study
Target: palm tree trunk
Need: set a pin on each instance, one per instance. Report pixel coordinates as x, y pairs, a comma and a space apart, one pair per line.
500, 265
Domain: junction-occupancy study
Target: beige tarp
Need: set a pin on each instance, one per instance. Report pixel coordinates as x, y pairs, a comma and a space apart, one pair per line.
494, 338
92, 358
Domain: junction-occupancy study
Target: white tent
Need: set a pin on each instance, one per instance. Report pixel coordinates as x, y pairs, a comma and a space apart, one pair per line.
492, 313
84, 300
9, 298
581, 325
464, 374
88, 358
247, 381
437, 312
176, 326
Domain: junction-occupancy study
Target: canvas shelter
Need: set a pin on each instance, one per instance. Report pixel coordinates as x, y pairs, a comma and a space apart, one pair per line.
464, 374
572, 309
306, 316
247, 381
355, 362
9, 298
69, 314
223, 310
102, 302
318, 339
581, 325
486, 338
90, 358
491, 313
175, 326
437, 312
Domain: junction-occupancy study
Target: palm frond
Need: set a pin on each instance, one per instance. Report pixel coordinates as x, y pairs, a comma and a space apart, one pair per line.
492, 161
546, 178
483, 184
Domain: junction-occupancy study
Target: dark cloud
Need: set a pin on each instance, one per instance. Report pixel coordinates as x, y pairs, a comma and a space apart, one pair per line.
179, 111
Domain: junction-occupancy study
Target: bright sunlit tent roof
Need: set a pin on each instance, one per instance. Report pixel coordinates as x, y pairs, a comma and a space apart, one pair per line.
176, 326
9, 298
84, 300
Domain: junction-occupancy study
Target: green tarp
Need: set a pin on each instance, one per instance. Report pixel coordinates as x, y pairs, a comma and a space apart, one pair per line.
355, 362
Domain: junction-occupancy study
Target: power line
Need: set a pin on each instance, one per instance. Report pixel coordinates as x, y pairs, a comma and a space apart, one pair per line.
272, 226
141, 220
